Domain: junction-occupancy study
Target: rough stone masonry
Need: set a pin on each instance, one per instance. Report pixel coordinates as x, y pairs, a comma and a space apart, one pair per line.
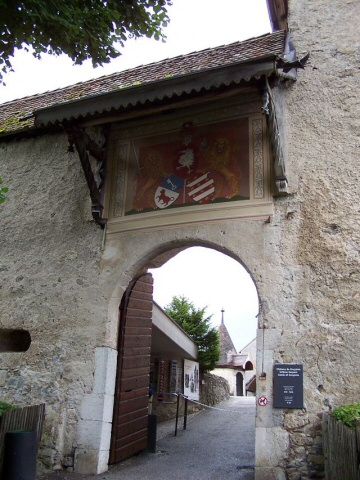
63, 277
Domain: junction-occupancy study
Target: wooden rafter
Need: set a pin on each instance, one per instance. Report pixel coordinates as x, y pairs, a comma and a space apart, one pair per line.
278, 12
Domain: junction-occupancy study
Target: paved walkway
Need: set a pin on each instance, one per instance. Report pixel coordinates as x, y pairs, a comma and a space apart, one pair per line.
218, 444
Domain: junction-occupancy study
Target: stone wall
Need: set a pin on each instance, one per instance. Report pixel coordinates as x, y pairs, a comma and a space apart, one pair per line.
213, 389
316, 255
62, 280
50, 268
230, 376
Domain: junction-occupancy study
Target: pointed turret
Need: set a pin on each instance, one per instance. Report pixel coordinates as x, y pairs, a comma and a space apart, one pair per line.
226, 344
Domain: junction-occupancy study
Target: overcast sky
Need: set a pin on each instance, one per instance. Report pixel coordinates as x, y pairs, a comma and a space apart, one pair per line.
211, 279
206, 277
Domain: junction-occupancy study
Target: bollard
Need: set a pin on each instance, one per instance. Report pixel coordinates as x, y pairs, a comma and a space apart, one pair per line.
185, 412
20, 455
177, 414
151, 437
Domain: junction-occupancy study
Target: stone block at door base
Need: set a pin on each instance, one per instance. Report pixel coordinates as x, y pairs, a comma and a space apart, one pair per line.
89, 461
275, 473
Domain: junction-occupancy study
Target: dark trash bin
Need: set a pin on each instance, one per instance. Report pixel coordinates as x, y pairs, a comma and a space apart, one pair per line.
151, 438
20, 455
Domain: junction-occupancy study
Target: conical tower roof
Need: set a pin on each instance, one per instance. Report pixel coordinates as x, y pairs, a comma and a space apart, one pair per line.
226, 344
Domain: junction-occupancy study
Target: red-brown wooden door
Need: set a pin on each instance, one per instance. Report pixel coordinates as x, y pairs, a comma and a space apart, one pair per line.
130, 420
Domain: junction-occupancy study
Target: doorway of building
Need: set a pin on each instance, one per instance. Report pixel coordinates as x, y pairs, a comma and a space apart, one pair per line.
239, 384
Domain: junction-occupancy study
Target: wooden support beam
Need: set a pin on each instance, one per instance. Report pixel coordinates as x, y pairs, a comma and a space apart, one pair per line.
85, 145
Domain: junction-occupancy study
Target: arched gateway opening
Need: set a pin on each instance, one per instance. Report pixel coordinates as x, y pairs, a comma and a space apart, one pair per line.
130, 419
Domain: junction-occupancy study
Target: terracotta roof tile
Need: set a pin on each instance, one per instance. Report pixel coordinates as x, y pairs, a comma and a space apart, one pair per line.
13, 114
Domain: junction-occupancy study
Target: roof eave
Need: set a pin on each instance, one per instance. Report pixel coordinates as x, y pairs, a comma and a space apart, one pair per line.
158, 90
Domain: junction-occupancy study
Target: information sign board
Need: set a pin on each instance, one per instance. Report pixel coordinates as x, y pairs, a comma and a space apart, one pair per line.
191, 380
288, 386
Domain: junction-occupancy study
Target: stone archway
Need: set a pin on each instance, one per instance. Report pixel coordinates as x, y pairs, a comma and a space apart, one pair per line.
158, 260
128, 256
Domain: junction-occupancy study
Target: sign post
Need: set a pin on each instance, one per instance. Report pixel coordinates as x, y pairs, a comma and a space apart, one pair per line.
288, 386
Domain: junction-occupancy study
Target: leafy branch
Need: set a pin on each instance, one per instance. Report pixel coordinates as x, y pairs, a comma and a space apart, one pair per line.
82, 29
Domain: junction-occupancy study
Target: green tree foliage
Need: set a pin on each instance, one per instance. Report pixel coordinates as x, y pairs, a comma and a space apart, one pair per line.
5, 407
3, 191
82, 29
348, 414
197, 326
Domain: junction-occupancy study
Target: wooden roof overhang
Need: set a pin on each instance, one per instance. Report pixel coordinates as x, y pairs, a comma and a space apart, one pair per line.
101, 108
153, 97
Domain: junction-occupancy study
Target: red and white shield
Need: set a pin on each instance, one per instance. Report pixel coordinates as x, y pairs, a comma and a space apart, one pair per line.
201, 187
165, 197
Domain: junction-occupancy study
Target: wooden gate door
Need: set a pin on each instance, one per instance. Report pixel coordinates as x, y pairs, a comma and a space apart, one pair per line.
130, 420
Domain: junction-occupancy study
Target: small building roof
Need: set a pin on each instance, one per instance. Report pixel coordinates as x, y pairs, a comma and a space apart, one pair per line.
168, 338
228, 356
173, 77
249, 346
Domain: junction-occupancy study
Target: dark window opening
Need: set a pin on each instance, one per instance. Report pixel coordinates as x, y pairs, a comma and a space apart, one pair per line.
14, 340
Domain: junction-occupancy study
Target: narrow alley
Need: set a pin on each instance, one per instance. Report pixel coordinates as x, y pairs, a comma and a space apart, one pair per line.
218, 444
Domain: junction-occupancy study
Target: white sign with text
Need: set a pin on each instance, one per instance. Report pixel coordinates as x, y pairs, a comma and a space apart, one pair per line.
191, 380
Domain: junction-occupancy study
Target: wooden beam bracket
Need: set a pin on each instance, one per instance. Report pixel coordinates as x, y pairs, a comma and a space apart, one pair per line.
94, 171
268, 108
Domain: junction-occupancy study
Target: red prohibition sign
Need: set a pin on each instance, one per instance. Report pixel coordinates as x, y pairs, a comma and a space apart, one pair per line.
263, 401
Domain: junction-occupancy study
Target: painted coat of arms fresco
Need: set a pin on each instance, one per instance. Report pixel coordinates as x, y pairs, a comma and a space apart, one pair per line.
198, 165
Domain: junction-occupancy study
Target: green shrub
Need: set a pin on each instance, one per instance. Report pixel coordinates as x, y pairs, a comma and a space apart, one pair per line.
5, 407
348, 414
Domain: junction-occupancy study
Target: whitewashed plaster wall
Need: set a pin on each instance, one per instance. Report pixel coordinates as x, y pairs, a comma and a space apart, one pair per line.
229, 375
